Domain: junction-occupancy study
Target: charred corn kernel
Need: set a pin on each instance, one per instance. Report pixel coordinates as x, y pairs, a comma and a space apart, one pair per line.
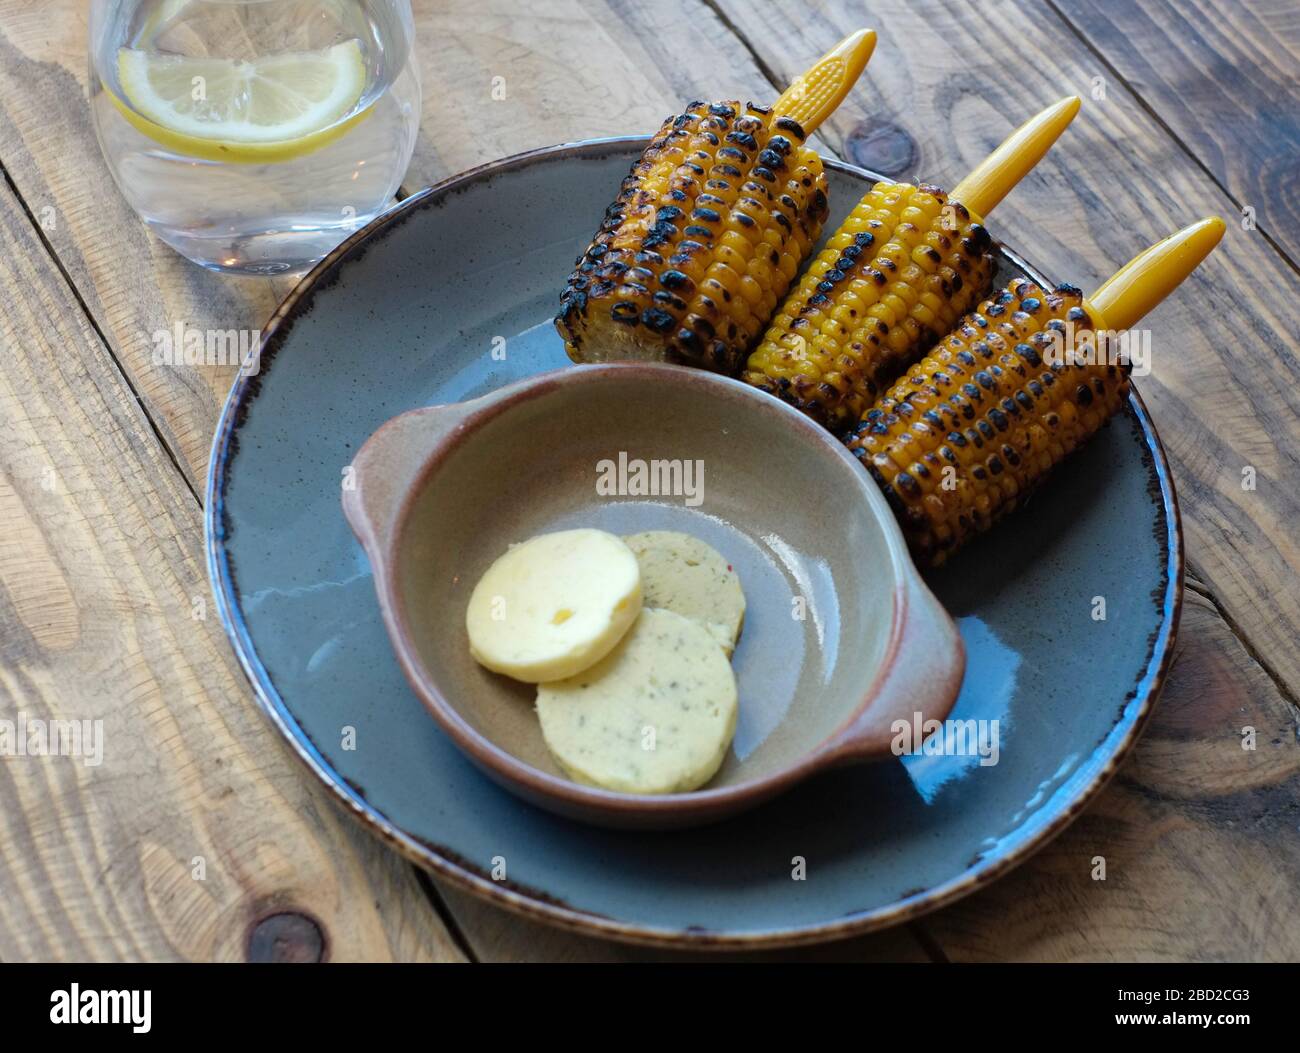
896, 276
709, 229
958, 441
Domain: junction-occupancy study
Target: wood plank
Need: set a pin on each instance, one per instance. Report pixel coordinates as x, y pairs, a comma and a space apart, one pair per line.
1198, 835
572, 69
195, 826
946, 84
1225, 79
132, 284
496, 935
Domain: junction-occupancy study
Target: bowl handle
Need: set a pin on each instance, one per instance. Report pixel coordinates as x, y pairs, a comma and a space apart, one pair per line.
923, 672
387, 466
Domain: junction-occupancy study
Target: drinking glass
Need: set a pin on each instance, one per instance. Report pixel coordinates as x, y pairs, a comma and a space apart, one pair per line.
254, 135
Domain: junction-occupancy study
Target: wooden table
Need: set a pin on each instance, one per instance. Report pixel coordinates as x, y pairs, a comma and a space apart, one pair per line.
1190, 108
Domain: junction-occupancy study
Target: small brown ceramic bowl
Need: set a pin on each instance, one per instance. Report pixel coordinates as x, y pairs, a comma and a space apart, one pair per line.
841, 636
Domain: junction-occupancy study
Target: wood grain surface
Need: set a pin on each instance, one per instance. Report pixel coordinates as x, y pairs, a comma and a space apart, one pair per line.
572, 69
194, 826
1224, 87
129, 283
1190, 109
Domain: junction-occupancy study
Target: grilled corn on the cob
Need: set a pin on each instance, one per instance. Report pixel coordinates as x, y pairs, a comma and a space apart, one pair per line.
896, 276
963, 437
709, 229
907, 263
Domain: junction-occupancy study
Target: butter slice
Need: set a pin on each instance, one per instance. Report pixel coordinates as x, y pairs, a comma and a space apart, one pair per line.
554, 605
654, 716
682, 574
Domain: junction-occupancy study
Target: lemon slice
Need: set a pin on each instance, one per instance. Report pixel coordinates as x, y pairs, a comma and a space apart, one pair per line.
271, 109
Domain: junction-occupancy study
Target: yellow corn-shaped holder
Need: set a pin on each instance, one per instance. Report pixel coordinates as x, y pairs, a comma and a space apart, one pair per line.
903, 267
709, 228
973, 427
816, 93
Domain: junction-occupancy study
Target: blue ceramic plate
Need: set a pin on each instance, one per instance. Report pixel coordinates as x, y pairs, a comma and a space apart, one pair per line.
409, 312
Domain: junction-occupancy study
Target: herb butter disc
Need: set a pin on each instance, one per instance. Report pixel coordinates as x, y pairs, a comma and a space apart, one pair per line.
682, 574
554, 605
656, 715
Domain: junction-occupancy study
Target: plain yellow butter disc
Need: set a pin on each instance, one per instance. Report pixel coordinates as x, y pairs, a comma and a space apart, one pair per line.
554, 605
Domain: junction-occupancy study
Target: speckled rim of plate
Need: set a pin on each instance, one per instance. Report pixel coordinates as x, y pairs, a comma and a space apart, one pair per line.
534, 904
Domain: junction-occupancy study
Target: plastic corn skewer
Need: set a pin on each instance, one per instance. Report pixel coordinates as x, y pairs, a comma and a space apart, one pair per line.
814, 95
995, 177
